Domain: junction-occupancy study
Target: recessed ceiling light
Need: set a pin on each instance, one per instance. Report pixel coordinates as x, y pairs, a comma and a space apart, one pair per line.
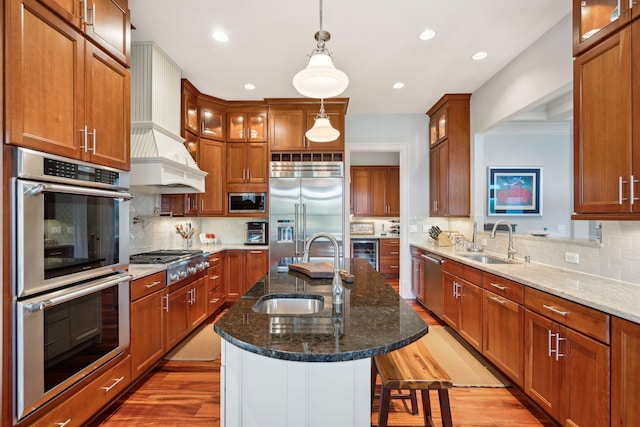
220, 36
479, 55
249, 86
427, 34
398, 85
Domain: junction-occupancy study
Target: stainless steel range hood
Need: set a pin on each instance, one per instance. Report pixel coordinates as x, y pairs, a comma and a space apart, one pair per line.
160, 163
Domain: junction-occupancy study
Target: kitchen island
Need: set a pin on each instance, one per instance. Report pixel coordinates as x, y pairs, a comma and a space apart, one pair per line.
310, 369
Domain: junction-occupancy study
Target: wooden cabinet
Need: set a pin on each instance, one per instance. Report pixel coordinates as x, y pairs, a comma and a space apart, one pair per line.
503, 325
375, 191
449, 156
198, 301
212, 118
257, 265
147, 302
625, 366
189, 119
235, 274
216, 292
247, 167
106, 22
417, 274
51, 68
594, 20
606, 143
389, 262
462, 301
289, 119
567, 372
212, 161
243, 126
177, 321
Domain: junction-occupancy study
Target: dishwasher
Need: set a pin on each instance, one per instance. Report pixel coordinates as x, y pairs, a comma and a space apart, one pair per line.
433, 283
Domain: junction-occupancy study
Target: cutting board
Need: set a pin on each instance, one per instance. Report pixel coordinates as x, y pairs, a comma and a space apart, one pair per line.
320, 270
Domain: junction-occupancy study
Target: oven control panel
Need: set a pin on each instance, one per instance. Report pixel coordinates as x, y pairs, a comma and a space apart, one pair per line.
69, 170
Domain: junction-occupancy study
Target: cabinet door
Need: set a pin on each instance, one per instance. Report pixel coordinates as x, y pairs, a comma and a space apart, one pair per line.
147, 344
471, 314
109, 25
44, 81
635, 89
108, 110
439, 179
287, 128
257, 265
378, 191
236, 163
69, 10
212, 156
257, 163
625, 381
247, 127
594, 20
393, 191
587, 379
543, 379
360, 193
198, 302
177, 322
451, 300
234, 274
211, 120
215, 284
189, 108
503, 335
602, 142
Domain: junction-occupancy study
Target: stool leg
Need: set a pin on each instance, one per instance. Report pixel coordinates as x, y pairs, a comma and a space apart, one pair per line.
374, 374
383, 411
426, 407
445, 408
414, 402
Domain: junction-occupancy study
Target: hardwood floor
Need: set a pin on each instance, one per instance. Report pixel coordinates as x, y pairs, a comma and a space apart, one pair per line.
188, 394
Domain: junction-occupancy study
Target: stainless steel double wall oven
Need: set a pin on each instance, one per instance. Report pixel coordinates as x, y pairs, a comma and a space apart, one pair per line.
70, 288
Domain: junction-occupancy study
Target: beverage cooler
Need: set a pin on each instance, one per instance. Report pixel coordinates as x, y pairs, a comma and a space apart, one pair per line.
367, 249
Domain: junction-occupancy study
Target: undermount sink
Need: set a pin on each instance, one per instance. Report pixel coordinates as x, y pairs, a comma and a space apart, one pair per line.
487, 259
289, 304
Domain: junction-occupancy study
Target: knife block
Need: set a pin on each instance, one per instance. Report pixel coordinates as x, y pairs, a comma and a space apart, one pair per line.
443, 240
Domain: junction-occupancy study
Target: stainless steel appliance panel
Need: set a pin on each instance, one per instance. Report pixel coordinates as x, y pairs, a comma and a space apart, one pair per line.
63, 336
367, 249
433, 283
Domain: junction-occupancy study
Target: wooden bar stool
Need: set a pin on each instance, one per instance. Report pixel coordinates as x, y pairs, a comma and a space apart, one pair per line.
412, 368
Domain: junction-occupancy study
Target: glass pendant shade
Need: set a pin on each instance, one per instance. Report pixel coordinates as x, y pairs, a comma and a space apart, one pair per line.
322, 131
320, 79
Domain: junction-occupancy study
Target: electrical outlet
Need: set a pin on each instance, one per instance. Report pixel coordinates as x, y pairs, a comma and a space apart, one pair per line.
413, 228
572, 258
56, 230
425, 228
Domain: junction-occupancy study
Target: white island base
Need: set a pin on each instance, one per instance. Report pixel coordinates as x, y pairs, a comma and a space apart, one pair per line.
260, 391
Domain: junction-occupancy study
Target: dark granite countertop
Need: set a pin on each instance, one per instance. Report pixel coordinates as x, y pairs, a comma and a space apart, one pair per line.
373, 320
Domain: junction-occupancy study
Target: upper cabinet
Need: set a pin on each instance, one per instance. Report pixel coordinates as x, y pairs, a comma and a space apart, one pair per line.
289, 120
106, 22
606, 140
52, 68
594, 20
449, 156
248, 124
212, 118
375, 191
189, 118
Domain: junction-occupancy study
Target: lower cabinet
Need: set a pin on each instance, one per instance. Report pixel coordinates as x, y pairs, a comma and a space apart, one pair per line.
566, 372
243, 269
417, 274
197, 302
257, 265
216, 293
147, 302
503, 326
389, 250
462, 302
625, 369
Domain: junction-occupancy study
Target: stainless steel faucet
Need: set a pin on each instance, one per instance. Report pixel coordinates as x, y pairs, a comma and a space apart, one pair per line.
337, 290
510, 250
475, 247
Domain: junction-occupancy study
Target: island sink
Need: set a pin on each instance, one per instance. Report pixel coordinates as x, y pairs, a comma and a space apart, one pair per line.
289, 304
486, 259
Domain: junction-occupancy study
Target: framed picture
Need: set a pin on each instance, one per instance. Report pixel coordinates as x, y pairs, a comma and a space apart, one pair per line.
514, 191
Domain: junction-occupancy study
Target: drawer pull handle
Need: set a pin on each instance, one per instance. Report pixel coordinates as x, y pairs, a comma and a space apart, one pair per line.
502, 288
555, 310
64, 423
151, 285
115, 383
498, 300
215, 300
394, 253
216, 277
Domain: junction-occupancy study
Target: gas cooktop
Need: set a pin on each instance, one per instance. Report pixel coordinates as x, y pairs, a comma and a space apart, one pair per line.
164, 256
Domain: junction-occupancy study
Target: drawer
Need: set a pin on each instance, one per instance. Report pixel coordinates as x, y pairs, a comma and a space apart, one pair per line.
147, 285
214, 259
83, 405
466, 272
389, 247
593, 323
389, 266
503, 287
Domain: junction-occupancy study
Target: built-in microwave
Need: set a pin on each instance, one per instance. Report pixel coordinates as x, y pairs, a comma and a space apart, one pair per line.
249, 203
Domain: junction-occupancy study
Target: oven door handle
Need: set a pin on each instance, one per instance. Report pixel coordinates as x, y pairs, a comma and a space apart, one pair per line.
75, 293
57, 188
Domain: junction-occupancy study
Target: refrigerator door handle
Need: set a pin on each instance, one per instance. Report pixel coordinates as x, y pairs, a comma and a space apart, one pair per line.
304, 226
295, 230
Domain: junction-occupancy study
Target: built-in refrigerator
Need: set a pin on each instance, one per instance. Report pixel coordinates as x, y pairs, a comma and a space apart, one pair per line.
304, 198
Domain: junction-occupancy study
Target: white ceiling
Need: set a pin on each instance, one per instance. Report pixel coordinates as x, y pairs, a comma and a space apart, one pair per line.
375, 42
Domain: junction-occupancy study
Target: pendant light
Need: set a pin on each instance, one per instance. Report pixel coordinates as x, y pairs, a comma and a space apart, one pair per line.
320, 79
322, 131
